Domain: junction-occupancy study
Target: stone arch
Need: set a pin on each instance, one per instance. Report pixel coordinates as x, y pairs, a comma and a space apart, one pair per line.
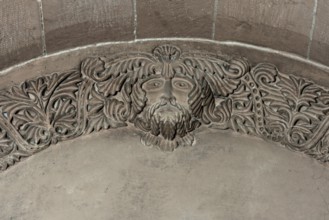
104, 92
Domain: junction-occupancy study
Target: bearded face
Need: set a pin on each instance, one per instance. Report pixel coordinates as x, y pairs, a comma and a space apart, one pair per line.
167, 120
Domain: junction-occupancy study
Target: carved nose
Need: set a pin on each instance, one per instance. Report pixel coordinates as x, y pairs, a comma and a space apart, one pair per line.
167, 93
171, 100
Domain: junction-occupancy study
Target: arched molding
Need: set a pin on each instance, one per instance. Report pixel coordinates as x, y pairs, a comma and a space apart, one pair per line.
166, 92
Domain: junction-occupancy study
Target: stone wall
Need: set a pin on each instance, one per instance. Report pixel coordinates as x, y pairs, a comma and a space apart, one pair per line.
45, 50
34, 28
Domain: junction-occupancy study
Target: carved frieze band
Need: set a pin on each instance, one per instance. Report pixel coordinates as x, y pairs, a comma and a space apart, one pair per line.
166, 94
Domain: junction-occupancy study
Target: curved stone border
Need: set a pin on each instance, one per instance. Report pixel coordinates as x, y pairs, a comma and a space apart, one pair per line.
167, 94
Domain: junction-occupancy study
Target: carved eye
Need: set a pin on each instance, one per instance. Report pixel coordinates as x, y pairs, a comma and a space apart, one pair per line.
182, 84
153, 84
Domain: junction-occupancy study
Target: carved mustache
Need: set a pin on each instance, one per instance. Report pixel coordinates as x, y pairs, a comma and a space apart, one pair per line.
164, 101
179, 113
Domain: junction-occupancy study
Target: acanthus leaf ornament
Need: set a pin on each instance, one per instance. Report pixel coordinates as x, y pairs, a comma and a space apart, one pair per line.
166, 94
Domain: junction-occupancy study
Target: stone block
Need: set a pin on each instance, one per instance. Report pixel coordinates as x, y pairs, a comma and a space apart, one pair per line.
320, 41
282, 25
20, 35
166, 18
70, 23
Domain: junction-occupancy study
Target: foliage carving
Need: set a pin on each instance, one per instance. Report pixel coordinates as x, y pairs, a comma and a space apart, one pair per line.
166, 94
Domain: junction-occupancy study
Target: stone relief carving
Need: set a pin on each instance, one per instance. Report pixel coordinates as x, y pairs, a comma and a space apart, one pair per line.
166, 94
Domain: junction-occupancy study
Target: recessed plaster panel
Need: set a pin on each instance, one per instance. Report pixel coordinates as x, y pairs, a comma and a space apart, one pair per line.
112, 176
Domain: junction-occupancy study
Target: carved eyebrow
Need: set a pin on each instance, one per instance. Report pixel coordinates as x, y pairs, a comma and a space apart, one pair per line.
144, 80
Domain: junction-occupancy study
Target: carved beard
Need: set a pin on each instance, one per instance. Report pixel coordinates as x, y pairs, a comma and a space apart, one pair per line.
167, 125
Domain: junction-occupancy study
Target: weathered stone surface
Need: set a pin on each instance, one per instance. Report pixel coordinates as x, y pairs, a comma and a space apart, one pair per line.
320, 42
166, 18
72, 59
167, 94
283, 25
111, 176
318, 74
20, 31
70, 23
